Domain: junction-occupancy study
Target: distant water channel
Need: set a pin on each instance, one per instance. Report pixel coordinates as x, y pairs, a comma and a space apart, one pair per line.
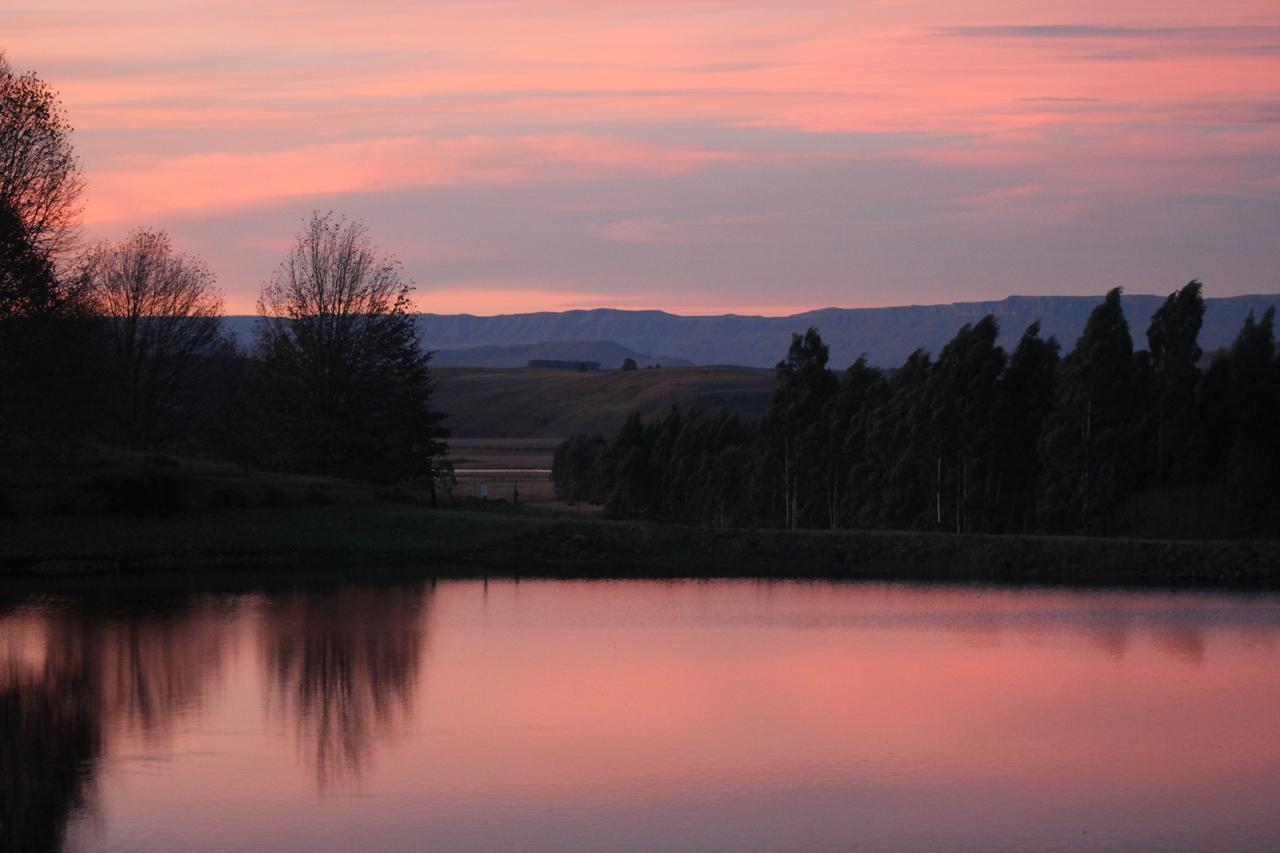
638, 716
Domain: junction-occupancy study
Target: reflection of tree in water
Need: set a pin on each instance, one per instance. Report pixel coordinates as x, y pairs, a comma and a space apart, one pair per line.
76, 677
342, 666
155, 668
1185, 642
50, 735
71, 678
1115, 635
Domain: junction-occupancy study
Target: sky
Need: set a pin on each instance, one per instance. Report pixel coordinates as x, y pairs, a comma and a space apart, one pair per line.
704, 156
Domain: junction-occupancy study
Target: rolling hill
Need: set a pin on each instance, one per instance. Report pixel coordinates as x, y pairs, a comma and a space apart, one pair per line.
525, 403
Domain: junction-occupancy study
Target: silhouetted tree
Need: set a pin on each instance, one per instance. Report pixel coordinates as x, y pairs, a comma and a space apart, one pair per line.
862, 395
626, 464
1026, 396
974, 441
1082, 445
630, 364
45, 343
345, 383
1172, 340
906, 485
796, 424
731, 486
162, 317
575, 468
1251, 454
49, 344
963, 402
28, 286
28, 292
40, 178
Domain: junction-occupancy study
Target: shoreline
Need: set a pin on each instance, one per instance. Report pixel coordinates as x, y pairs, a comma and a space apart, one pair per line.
465, 543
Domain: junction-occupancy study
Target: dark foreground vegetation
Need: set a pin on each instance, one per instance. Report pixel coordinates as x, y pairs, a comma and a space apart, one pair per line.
121, 345
120, 514
364, 537
1107, 440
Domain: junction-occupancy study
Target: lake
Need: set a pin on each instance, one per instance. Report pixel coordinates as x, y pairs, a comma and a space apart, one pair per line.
560, 716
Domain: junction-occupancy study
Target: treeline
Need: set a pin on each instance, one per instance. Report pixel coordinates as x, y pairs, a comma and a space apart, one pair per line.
1106, 439
123, 342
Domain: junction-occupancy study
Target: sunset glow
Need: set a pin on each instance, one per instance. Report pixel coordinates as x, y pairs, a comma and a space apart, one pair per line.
697, 156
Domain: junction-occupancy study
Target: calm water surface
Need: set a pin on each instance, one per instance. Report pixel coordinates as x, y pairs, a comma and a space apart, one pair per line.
640, 716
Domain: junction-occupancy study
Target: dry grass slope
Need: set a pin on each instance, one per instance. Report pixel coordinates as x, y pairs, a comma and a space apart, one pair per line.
524, 403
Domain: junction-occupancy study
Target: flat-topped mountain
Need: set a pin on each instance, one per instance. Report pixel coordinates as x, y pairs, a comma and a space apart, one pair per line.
886, 335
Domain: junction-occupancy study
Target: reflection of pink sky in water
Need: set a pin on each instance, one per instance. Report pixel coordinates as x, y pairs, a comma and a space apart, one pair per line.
721, 715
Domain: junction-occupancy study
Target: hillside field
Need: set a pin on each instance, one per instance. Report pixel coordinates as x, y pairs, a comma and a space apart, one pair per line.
552, 404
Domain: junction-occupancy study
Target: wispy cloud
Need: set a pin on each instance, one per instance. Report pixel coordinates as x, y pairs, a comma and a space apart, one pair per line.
567, 150
1087, 31
142, 187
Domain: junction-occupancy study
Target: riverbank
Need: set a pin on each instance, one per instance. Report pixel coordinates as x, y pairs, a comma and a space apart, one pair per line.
505, 542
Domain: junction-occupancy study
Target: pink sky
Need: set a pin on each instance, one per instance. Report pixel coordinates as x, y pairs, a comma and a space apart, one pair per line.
697, 156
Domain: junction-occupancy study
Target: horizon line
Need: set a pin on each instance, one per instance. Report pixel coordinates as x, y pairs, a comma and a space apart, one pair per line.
798, 313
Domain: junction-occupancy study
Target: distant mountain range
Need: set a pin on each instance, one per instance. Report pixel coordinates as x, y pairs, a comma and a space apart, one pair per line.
885, 335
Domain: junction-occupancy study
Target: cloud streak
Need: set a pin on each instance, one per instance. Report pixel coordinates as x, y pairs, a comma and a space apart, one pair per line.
1086, 31
716, 152
142, 187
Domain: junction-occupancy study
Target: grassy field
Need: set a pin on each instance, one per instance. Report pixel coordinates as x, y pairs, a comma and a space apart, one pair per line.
532, 454
505, 468
523, 403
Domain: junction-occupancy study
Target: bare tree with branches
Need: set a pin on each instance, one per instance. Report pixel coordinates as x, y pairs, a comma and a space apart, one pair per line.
162, 314
40, 178
345, 380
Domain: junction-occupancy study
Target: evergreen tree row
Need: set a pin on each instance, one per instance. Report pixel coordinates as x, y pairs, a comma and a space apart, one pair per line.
1106, 439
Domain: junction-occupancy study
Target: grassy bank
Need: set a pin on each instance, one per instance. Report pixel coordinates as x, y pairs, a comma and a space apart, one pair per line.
470, 542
